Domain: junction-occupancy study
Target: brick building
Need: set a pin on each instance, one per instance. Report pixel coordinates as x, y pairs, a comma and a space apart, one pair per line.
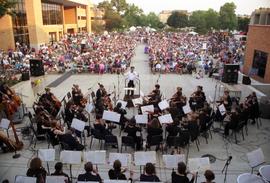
257, 56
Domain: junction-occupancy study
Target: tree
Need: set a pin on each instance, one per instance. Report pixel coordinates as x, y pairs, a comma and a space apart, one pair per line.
227, 16
120, 5
6, 7
97, 26
113, 20
242, 23
132, 16
197, 20
211, 19
153, 21
177, 20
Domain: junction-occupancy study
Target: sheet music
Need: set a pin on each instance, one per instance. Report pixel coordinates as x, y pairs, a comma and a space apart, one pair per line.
171, 161
198, 164
255, 157
4, 123
124, 103
89, 108
148, 108
111, 116
222, 109
71, 157
56, 179
137, 101
141, 94
24, 179
78, 124
163, 105
46, 154
96, 157
141, 157
141, 119
186, 109
116, 181
124, 158
165, 119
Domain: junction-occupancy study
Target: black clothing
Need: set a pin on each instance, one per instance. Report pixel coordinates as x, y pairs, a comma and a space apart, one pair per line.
132, 132
131, 85
71, 141
232, 124
116, 175
61, 174
89, 177
180, 179
40, 174
152, 132
149, 178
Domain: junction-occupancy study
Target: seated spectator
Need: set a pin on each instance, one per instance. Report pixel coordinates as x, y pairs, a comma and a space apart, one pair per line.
36, 170
181, 174
90, 173
59, 171
209, 176
149, 174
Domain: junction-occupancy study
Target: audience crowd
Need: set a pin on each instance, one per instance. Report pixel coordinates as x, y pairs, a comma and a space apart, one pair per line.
183, 52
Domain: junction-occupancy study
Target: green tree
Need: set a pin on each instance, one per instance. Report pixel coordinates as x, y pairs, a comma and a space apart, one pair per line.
242, 23
177, 20
120, 5
227, 16
132, 16
153, 21
6, 7
97, 26
197, 20
211, 19
113, 20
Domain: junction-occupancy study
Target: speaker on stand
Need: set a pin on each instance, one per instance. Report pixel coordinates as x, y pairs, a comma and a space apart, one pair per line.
230, 73
36, 67
246, 80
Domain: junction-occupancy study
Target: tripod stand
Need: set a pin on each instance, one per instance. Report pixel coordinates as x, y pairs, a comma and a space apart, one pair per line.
225, 168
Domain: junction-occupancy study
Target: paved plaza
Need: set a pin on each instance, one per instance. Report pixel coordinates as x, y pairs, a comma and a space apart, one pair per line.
218, 146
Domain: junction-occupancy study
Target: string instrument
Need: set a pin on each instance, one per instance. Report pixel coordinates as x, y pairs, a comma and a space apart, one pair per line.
11, 106
13, 95
56, 102
10, 109
12, 146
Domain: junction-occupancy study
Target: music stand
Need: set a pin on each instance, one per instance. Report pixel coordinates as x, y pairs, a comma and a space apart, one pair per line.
47, 155
255, 158
71, 158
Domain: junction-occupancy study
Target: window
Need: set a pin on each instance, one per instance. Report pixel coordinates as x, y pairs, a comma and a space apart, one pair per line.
52, 36
83, 17
19, 22
51, 14
257, 19
268, 19
259, 63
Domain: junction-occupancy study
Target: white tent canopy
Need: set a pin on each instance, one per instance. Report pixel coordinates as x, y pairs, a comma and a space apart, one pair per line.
193, 33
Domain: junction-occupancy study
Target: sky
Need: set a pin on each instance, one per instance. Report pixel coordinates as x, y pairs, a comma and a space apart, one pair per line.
244, 7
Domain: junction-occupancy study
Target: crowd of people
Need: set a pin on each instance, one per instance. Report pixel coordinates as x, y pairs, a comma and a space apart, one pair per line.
82, 52
184, 52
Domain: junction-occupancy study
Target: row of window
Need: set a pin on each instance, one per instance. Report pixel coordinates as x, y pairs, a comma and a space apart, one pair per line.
82, 17
51, 14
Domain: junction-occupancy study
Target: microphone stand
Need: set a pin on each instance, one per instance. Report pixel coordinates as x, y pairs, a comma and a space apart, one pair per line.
225, 168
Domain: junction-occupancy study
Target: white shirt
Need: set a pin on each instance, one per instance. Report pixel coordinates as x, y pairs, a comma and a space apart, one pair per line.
132, 75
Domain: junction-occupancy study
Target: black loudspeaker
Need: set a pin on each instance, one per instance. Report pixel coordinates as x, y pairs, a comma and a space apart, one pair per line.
230, 73
25, 76
246, 80
36, 67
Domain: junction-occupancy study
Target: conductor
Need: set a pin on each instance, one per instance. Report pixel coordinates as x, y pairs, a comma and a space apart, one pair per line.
131, 76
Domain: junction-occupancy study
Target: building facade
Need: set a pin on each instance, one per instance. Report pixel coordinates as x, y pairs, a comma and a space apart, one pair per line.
165, 14
257, 56
42, 21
